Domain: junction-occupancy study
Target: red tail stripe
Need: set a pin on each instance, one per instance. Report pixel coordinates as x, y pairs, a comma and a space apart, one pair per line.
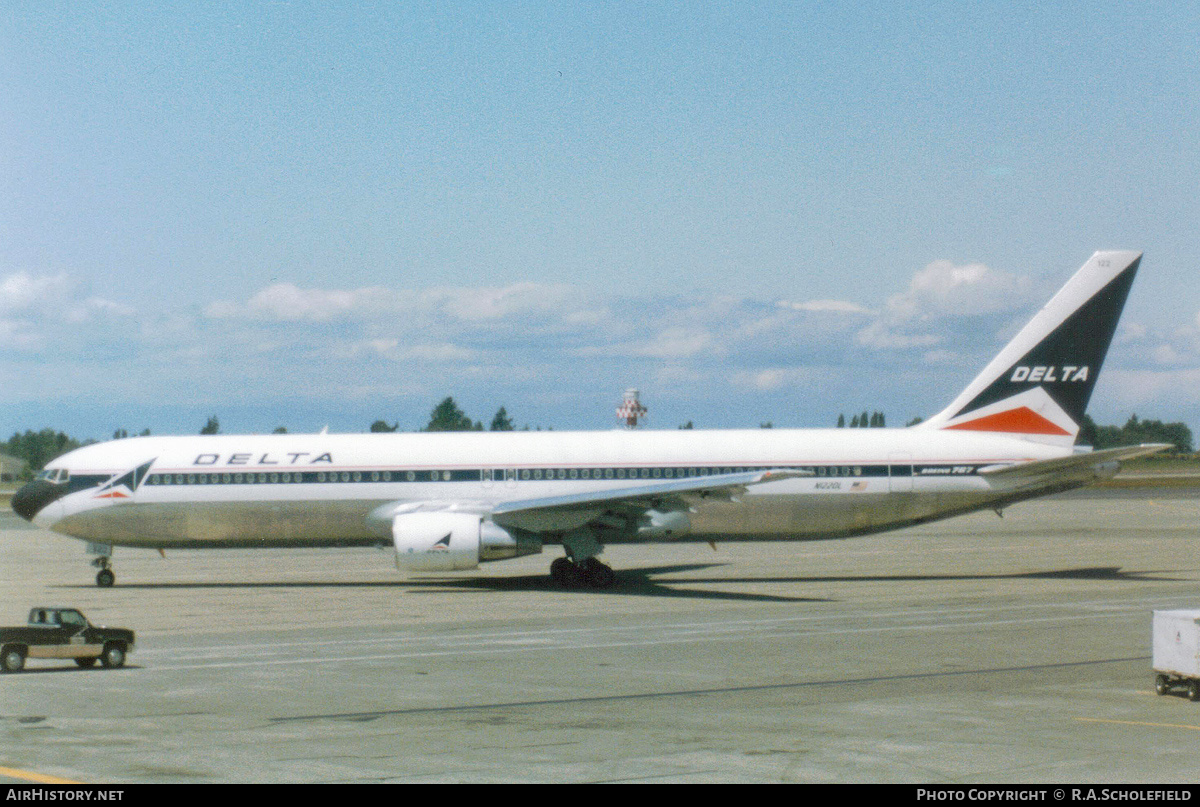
1022, 420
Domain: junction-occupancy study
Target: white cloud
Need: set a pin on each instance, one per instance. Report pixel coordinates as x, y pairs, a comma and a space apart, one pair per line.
528, 342
286, 302
21, 292
942, 300
826, 306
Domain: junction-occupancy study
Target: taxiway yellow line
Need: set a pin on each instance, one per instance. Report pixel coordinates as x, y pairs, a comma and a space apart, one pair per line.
40, 778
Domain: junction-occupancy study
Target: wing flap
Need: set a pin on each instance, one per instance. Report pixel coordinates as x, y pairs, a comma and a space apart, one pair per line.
576, 509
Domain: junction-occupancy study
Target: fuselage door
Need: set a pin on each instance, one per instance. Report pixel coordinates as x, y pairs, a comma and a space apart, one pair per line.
900, 472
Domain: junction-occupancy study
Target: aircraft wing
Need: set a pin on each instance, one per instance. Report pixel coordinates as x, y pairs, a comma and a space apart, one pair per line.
1076, 467
562, 513
556, 513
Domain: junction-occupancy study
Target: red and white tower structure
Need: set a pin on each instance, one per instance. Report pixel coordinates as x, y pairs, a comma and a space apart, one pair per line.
631, 409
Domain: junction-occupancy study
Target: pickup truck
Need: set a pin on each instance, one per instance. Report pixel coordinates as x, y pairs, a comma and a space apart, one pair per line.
63, 633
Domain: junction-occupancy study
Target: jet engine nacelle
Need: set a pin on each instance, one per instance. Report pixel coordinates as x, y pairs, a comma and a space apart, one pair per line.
446, 542
660, 525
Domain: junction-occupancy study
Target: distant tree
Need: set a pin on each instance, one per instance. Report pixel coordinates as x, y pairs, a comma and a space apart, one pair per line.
501, 422
854, 422
447, 417
1087, 432
120, 434
915, 421
38, 448
687, 425
280, 430
841, 421
381, 426
1135, 431
213, 426
767, 425
864, 420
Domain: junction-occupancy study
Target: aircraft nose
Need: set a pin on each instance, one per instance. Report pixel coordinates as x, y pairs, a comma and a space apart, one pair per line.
33, 496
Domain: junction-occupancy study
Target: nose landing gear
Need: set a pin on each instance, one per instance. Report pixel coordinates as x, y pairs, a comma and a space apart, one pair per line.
103, 561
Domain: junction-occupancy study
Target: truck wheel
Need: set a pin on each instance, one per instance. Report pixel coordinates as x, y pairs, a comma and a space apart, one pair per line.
12, 658
1193, 690
113, 655
1161, 684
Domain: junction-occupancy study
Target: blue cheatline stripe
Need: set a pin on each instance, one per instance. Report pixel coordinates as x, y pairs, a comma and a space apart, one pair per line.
574, 474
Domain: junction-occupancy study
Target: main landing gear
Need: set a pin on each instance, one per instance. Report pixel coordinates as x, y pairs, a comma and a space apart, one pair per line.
581, 566
590, 572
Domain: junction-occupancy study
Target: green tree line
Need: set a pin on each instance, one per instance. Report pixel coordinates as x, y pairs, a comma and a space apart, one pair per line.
875, 420
1134, 432
448, 417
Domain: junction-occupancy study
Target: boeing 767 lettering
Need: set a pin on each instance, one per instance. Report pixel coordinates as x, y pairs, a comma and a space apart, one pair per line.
450, 501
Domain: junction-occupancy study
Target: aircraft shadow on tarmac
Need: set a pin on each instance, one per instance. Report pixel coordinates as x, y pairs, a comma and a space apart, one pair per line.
646, 582
635, 582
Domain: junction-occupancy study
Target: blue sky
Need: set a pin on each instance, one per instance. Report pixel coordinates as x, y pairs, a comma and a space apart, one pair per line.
310, 214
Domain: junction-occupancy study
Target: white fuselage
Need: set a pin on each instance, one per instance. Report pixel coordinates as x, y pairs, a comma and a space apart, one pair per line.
318, 490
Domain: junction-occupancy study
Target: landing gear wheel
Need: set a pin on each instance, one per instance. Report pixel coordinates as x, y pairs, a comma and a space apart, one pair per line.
1161, 684
1193, 690
564, 572
105, 578
597, 574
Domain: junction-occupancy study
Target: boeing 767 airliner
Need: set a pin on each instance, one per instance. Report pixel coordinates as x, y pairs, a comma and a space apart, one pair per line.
450, 501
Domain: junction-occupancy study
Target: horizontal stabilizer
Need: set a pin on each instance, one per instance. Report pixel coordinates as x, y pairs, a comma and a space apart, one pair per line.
1082, 466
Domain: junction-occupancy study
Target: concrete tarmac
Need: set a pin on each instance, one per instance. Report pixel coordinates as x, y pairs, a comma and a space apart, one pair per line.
974, 650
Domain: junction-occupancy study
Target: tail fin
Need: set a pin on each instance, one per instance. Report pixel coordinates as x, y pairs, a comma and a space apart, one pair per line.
1039, 386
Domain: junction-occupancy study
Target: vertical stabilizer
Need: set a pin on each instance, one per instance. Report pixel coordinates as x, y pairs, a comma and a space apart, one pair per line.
1039, 386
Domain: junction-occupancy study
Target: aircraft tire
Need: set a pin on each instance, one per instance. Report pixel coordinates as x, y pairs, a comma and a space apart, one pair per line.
598, 575
564, 572
105, 578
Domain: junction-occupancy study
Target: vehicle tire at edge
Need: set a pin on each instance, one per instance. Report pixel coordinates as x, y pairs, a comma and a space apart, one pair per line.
113, 655
12, 658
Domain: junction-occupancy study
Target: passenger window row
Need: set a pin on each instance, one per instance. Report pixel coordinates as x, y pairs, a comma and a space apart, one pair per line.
496, 474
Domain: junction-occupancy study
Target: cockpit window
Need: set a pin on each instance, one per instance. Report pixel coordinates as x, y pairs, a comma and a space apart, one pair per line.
55, 476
